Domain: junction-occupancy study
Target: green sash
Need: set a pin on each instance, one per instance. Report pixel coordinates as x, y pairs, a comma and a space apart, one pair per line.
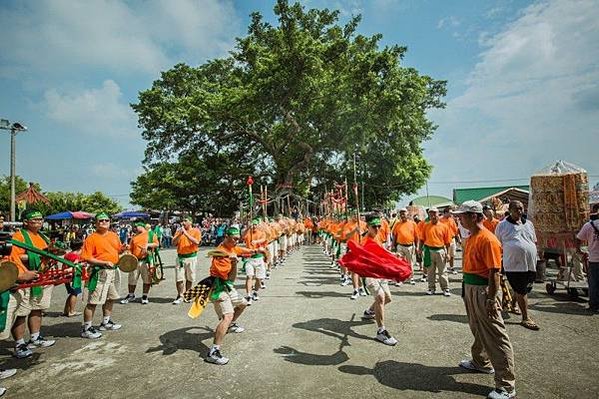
4, 298
34, 261
219, 286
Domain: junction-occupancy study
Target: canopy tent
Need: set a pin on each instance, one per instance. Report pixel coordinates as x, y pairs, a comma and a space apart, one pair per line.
432, 201
80, 215
31, 196
131, 215
484, 194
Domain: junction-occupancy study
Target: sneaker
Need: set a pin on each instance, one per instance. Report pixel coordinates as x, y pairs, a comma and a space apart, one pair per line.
501, 393
398, 284
268, 275
90, 333
386, 338
469, 365
354, 295
215, 357
145, 301
178, 301
109, 326
235, 328
22, 351
430, 292
248, 300
345, 282
423, 279
262, 285
446, 293
255, 296
40, 342
127, 299
362, 292
454, 271
368, 314
412, 282
5, 373
2, 391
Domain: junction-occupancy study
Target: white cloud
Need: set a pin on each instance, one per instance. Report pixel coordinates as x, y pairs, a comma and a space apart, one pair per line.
532, 98
449, 22
98, 111
59, 36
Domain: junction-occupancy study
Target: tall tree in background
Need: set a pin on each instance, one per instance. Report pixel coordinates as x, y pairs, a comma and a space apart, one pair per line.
299, 99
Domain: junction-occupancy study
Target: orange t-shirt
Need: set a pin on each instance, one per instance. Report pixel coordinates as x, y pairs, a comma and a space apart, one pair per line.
257, 235
367, 238
490, 225
384, 231
482, 253
436, 235
138, 244
16, 252
221, 266
104, 247
184, 246
350, 233
451, 224
405, 232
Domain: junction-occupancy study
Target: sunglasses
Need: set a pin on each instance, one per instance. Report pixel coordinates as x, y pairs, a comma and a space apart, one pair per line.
103, 220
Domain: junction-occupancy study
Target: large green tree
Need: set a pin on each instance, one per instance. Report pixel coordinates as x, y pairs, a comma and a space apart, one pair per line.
301, 98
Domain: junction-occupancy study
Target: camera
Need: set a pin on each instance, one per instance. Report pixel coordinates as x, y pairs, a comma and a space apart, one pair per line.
5, 244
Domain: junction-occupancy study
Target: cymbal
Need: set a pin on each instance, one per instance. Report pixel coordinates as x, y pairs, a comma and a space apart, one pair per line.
127, 263
217, 253
8, 275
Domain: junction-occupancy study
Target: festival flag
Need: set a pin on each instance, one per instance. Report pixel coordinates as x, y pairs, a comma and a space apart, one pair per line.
372, 260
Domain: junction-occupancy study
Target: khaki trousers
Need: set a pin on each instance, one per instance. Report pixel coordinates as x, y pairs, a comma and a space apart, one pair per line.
408, 254
492, 346
437, 266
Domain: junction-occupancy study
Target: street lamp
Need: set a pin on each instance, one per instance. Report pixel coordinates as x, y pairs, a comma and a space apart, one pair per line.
14, 129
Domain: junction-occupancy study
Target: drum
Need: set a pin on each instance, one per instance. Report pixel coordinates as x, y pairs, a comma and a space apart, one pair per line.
127, 263
8, 275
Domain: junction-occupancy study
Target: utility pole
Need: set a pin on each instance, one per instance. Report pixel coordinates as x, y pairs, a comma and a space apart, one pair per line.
14, 129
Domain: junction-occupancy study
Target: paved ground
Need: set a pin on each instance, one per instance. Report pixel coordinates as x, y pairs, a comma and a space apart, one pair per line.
305, 338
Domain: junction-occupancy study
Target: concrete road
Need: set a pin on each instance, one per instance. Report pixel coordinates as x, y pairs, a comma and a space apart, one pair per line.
305, 338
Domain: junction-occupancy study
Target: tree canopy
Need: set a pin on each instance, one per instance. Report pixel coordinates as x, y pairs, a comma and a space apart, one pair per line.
291, 105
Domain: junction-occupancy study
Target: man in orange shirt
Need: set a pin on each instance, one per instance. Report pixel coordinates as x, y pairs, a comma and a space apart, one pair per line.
187, 239
230, 304
436, 238
352, 231
449, 221
492, 350
255, 268
378, 287
141, 246
101, 249
30, 301
490, 222
405, 239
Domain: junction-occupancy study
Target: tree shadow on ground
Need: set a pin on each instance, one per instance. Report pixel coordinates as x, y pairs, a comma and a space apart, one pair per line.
417, 377
408, 293
340, 329
318, 280
70, 329
322, 294
183, 339
457, 318
20, 364
571, 308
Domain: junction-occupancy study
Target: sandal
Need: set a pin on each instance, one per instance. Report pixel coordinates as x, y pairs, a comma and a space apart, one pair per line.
531, 325
516, 311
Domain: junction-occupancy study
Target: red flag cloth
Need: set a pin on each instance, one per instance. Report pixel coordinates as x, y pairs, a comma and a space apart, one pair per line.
372, 260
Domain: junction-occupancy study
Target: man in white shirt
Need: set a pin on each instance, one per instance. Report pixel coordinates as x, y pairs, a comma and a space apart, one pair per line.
518, 239
590, 233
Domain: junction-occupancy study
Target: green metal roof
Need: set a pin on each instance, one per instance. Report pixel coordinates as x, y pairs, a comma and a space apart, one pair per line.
465, 194
432, 200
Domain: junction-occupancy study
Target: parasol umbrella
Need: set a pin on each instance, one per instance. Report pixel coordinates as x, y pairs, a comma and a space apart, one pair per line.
131, 215
70, 215
32, 196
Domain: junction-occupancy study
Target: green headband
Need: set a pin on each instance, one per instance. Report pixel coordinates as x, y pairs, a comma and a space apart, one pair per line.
32, 214
102, 215
142, 224
188, 218
232, 231
255, 221
375, 222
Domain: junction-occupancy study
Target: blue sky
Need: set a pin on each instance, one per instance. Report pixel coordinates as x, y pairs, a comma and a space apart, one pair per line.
523, 80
